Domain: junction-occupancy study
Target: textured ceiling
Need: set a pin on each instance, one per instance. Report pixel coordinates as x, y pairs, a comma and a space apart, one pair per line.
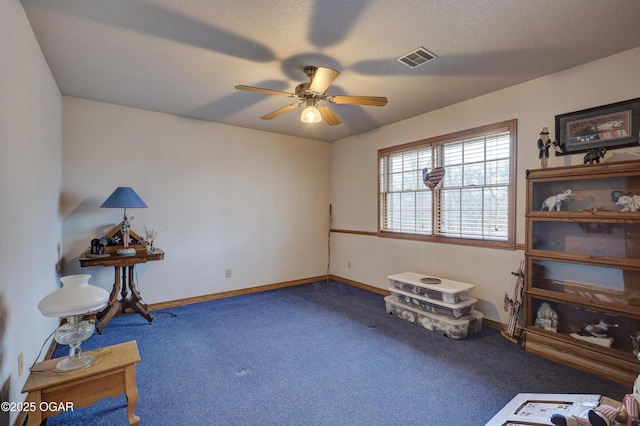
184, 57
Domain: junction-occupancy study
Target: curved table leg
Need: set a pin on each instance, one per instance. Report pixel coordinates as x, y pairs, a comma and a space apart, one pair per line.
131, 392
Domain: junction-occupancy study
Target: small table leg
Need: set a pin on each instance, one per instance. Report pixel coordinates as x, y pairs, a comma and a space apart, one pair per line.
134, 299
114, 307
34, 418
131, 392
130, 298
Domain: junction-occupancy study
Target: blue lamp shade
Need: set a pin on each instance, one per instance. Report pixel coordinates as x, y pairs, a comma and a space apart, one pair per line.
124, 196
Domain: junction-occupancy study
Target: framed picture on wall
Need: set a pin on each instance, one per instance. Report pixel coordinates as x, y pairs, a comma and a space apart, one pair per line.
609, 126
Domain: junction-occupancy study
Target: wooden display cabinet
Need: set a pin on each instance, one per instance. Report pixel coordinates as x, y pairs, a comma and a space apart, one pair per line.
584, 261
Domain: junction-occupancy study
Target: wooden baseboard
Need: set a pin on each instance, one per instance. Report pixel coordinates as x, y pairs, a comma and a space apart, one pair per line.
363, 286
231, 293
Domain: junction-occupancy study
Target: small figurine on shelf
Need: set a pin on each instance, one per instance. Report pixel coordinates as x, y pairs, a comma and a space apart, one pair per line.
596, 332
635, 341
547, 318
628, 201
599, 329
99, 246
553, 202
125, 228
150, 235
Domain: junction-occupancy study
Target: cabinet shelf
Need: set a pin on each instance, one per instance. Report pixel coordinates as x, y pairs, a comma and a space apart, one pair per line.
605, 216
583, 267
567, 339
588, 303
586, 259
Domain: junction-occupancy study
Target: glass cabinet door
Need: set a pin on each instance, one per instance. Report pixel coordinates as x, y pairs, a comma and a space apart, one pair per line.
586, 325
614, 285
587, 194
619, 238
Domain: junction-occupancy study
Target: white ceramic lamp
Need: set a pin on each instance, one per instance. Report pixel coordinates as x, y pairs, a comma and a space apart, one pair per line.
76, 298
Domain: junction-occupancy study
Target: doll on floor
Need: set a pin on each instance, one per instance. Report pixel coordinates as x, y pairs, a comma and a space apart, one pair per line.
603, 415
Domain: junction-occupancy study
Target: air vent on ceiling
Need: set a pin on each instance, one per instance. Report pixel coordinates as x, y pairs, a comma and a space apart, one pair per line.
416, 58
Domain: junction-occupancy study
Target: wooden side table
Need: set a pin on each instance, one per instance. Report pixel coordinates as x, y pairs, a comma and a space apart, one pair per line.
124, 294
114, 373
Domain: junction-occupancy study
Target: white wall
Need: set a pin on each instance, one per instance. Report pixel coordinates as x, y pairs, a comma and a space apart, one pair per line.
30, 184
534, 104
228, 197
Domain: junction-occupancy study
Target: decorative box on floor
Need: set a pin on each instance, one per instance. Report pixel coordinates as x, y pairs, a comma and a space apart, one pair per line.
537, 408
437, 304
453, 310
456, 328
432, 287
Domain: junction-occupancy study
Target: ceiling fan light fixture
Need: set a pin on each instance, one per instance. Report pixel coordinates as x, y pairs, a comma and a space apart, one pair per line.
311, 115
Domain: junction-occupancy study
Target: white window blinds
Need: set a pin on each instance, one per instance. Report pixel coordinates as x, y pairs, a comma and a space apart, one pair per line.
474, 200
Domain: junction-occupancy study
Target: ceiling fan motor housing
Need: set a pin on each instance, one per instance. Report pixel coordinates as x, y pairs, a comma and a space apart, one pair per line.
310, 71
302, 90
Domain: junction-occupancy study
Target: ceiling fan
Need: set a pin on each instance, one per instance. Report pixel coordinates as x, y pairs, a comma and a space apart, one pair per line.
313, 95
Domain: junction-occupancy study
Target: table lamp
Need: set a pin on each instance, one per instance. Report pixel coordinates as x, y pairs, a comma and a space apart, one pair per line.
124, 197
76, 298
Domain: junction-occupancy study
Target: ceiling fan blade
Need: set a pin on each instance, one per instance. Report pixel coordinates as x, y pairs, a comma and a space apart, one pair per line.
359, 100
266, 91
329, 116
280, 111
323, 79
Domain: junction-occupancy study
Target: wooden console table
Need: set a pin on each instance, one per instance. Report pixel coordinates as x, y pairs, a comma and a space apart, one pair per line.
114, 373
124, 284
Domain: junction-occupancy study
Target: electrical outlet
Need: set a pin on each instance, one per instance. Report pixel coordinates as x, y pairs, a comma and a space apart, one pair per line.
20, 365
228, 273
349, 264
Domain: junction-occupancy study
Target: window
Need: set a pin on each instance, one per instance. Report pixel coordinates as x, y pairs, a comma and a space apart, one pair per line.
473, 203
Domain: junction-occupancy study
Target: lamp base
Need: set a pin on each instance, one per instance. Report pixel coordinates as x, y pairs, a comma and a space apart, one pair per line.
74, 363
126, 252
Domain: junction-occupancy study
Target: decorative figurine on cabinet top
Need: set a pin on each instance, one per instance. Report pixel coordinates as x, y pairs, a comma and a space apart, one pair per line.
543, 147
553, 202
594, 155
628, 201
547, 318
544, 143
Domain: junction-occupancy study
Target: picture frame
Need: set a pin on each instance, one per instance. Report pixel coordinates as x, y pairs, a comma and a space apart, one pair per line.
609, 126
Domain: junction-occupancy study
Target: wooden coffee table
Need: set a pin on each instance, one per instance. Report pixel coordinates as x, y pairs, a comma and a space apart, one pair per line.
114, 373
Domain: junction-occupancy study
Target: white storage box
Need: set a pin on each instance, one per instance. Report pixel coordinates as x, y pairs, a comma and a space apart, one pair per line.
450, 327
447, 290
453, 310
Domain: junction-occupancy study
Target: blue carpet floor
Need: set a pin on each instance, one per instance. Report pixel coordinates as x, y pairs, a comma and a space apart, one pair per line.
317, 354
